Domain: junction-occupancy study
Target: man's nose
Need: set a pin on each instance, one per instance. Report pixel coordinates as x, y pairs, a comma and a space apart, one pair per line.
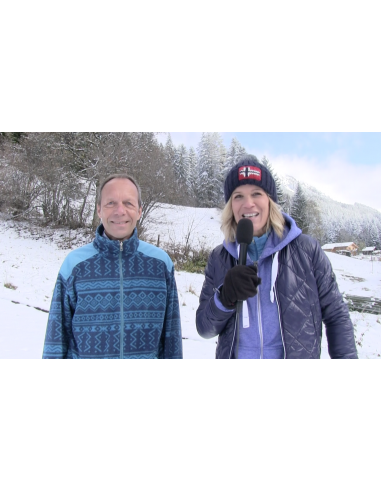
120, 209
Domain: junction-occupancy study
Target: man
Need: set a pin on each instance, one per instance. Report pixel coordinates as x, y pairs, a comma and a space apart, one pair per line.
115, 297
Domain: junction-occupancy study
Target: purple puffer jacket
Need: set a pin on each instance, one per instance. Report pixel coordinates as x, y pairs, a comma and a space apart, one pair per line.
306, 293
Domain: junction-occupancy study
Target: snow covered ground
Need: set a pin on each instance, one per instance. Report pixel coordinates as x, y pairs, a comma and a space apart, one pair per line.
30, 259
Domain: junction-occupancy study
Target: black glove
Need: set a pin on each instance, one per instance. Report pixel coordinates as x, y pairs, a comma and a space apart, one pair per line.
240, 283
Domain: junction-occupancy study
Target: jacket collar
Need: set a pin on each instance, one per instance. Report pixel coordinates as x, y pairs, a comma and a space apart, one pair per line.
275, 243
111, 247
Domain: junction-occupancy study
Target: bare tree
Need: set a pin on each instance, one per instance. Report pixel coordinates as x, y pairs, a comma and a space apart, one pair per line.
57, 175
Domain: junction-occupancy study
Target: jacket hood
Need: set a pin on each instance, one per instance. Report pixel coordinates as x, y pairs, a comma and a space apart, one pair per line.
274, 243
113, 247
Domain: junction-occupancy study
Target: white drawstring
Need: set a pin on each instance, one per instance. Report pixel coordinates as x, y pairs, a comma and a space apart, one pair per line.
245, 315
274, 274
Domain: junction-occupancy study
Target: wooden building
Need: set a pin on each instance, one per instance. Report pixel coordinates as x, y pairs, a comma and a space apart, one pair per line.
369, 250
341, 248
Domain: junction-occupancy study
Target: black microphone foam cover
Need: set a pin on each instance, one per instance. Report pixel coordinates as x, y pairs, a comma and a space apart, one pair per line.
245, 231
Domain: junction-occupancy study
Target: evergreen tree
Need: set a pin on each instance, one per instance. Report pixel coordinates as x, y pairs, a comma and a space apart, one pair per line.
279, 189
331, 226
181, 165
235, 152
287, 203
193, 176
14, 137
366, 232
374, 235
315, 225
211, 154
170, 151
299, 209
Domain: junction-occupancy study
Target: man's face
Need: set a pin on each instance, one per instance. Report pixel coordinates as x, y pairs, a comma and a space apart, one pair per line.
119, 208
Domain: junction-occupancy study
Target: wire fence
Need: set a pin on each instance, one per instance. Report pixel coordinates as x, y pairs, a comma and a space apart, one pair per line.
369, 305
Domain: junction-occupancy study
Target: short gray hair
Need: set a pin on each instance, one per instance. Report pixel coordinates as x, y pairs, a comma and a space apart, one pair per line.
119, 176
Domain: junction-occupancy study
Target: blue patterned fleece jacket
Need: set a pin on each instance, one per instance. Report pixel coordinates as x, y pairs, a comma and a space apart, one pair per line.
114, 300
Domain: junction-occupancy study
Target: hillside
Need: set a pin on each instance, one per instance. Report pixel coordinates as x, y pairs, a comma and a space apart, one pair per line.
31, 257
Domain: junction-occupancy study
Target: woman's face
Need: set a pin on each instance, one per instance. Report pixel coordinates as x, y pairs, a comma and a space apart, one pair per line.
250, 201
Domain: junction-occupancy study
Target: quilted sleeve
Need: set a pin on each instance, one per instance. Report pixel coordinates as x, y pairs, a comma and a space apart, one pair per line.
211, 316
335, 314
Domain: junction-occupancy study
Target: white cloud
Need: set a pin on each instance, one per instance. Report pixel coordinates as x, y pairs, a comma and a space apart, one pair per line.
340, 180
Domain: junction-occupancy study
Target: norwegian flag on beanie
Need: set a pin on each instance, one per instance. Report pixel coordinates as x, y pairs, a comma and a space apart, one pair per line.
249, 172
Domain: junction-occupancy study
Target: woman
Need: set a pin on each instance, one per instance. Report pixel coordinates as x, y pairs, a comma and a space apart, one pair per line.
287, 285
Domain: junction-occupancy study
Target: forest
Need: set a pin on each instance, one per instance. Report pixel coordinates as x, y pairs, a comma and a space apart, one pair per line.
53, 177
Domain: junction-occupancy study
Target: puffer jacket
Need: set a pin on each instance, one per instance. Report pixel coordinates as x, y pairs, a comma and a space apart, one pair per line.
115, 299
306, 293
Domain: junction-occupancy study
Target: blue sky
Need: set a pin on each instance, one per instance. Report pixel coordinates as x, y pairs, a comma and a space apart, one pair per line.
345, 166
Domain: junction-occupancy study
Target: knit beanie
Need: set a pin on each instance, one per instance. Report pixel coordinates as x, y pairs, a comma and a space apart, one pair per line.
248, 170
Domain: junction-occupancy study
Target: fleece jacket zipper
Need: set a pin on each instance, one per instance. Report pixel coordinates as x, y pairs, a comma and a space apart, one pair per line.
121, 302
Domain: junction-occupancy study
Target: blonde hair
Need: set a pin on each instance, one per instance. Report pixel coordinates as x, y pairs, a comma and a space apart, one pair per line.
275, 221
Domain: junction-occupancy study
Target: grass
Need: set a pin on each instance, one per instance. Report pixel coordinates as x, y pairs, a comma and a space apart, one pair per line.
191, 290
8, 285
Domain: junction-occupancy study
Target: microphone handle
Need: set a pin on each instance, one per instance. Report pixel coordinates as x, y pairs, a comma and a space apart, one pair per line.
241, 261
242, 254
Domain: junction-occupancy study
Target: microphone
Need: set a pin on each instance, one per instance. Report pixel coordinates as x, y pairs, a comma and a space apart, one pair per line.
245, 232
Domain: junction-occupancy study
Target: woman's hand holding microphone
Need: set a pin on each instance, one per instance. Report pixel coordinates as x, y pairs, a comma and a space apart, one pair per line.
240, 283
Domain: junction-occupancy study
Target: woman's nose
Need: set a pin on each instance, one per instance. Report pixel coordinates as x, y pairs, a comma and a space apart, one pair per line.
248, 201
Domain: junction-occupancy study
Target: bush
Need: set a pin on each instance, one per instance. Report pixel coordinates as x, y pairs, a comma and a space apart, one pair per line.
187, 259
